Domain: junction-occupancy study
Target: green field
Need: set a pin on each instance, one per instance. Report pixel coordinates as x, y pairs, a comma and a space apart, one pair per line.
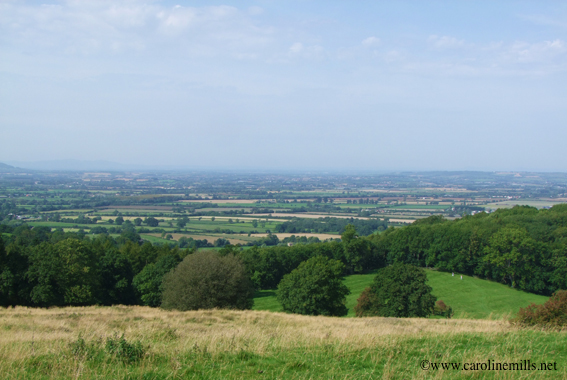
475, 298
470, 297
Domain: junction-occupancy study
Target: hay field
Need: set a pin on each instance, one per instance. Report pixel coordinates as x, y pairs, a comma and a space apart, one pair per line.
222, 344
285, 235
533, 203
311, 216
210, 238
221, 201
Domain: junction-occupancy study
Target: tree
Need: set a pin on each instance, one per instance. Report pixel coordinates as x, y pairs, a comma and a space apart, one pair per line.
151, 222
65, 273
119, 220
399, 290
182, 222
138, 222
206, 280
314, 288
149, 282
514, 253
116, 279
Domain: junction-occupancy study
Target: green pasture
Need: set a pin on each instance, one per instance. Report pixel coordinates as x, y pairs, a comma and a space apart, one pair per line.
470, 298
479, 299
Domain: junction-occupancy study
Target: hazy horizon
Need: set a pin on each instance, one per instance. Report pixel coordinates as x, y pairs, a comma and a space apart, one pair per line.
300, 85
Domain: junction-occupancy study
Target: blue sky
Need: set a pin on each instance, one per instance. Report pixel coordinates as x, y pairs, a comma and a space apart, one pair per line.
373, 85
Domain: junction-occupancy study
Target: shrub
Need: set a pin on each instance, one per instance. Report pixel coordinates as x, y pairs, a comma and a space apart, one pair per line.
553, 313
314, 288
81, 349
121, 349
206, 280
399, 290
442, 310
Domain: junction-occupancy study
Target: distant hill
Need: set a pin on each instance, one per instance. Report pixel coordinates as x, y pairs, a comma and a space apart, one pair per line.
76, 165
5, 168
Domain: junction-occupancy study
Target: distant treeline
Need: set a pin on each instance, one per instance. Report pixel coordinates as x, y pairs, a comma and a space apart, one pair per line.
323, 225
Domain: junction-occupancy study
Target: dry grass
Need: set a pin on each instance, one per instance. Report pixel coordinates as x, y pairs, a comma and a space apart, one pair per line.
222, 201
285, 235
209, 238
217, 329
240, 344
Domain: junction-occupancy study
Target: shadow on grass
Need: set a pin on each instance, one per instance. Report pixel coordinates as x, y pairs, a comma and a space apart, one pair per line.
264, 293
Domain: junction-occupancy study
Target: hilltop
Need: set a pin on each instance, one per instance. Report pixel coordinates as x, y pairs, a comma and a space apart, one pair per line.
59, 343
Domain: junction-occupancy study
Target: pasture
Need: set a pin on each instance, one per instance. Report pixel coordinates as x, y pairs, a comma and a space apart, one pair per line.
470, 298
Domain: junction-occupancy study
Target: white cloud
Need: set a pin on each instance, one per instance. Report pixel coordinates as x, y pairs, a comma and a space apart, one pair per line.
371, 41
445, 42
535, 52
93, 27
296, 48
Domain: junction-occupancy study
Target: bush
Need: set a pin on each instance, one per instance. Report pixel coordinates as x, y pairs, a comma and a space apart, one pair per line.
442, 310
206, 280
121, 349
314, 288
399, 290
553, 313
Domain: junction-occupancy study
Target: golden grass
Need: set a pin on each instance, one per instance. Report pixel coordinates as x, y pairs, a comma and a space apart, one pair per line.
210, 238
49, 329
310, 216
197, 344
285, 235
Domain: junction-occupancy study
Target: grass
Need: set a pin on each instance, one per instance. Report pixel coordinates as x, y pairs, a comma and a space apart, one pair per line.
475, 298
149, 343
470, 298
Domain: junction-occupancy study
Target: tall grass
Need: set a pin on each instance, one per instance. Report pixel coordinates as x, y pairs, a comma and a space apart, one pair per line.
221, 344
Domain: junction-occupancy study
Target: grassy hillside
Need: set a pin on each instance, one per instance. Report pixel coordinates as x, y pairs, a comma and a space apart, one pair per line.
69, 343
469, 297
476, 298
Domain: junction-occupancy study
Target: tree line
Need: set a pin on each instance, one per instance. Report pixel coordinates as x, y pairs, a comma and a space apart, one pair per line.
40, 267
323, 225
523, 247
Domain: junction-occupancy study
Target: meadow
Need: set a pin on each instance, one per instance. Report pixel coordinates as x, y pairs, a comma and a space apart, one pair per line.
143, 343
470, 298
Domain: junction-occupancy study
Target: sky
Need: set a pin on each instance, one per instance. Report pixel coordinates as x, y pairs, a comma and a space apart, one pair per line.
295, 84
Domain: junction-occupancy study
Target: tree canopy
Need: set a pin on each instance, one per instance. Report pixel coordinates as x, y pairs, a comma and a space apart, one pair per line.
314, 288
399, 290
206, 280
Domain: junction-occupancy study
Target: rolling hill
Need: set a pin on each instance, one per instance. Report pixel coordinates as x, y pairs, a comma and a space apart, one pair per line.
470, 297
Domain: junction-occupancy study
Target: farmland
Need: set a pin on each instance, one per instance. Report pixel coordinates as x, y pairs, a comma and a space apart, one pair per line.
218, 206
